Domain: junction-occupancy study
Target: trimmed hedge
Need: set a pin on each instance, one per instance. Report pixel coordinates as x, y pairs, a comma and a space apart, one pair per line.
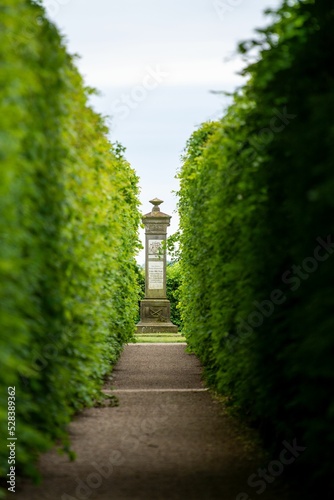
68, 235
257, 208
173, 286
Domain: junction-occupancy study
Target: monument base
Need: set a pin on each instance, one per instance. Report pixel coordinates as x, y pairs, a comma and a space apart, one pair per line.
156, 328
154, 317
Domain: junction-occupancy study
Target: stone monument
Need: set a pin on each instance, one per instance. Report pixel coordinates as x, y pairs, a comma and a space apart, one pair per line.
155, 307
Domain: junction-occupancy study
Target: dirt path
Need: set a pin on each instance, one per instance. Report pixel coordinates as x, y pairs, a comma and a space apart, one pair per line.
168, 439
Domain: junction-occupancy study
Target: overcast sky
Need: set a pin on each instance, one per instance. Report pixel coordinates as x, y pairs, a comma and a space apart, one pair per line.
155, 62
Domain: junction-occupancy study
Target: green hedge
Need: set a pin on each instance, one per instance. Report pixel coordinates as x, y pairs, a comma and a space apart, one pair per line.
256, 203
68, 235
173, 289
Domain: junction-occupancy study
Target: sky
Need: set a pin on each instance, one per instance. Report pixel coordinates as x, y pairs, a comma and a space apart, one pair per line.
155, 63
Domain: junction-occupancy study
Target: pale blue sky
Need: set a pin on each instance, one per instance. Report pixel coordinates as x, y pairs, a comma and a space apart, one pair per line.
155, 62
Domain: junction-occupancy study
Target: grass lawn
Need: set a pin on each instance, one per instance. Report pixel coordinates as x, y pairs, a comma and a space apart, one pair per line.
160, 337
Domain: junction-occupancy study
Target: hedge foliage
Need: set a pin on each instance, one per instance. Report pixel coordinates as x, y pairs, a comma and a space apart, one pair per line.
68, 236
173, 290
257, 208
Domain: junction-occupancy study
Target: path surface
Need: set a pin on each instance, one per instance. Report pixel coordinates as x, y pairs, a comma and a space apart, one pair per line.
168, 439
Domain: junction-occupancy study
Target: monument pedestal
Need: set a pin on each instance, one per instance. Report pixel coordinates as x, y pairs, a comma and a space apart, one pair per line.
154, 317
155, 307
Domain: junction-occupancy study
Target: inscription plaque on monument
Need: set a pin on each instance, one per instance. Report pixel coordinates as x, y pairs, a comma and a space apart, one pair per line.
155, 249
156, 275
155, 307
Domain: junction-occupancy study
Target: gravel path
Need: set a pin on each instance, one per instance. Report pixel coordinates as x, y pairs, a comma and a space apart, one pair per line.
168, 439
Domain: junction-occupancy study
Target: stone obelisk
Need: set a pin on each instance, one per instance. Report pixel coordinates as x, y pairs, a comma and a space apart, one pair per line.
155, 307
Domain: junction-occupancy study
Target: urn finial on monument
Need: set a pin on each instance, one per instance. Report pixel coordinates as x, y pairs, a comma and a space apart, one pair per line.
155, 307
156, 202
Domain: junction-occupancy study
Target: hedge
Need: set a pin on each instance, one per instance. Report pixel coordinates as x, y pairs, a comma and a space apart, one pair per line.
68, 235
173, 286
257, 208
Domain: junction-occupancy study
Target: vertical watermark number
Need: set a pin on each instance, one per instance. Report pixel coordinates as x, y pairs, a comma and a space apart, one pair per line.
11, 439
